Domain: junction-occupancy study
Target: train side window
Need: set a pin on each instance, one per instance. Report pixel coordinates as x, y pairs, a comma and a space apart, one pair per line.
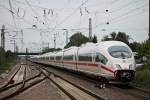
68, 57
85, 57
52, 58
58, 57
101, 58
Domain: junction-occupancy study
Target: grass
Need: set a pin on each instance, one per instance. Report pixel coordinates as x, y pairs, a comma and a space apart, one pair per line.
6, 67
142, 76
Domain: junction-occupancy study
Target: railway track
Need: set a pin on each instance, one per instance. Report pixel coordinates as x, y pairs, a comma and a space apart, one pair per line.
20, 83
10, 79
74, 86
73, 91
140, 93
127, 91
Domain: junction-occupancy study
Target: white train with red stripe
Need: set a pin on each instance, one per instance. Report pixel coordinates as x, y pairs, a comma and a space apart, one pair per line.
112, 60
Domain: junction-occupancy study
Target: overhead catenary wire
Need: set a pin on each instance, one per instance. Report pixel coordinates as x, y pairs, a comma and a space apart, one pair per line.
127, 17
66, 18
21, 19
120, 16
10, 5
133, 2
14, 13
35, 13
127, 13
51, 11
114, 1
119, 9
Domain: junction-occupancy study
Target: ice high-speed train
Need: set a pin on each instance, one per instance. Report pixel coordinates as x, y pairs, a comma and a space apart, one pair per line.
112, 60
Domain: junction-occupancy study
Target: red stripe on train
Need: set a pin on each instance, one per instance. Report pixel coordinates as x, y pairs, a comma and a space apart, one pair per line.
91, 65
106, 68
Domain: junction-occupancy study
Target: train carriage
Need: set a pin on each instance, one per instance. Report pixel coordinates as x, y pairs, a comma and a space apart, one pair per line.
112, 60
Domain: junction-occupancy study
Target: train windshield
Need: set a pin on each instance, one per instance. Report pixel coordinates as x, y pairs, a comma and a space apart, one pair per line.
119, 52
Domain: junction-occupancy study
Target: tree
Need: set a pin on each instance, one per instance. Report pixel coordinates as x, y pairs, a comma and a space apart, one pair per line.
120, 36
94, 40
149, 36
2, 57
113, 35
149, 42
106, 38
134, 46
9, 55
143, 48
77, 39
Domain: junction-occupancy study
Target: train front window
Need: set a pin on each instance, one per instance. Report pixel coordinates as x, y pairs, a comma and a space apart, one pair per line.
119, 52
101, 58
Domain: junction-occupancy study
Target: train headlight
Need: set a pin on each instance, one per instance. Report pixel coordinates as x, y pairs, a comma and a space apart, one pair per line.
131, 67
118, 66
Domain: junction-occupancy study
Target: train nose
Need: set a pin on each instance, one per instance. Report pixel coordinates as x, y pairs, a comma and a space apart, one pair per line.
124, 75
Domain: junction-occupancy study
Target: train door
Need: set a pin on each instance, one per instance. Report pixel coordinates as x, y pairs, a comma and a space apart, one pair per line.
101, 60
86, 63
97, 61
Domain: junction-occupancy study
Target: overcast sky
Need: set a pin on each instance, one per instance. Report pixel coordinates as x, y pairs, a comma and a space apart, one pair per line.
41, 19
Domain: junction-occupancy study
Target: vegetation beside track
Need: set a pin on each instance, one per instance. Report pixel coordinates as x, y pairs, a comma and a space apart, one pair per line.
142, 76
7, 60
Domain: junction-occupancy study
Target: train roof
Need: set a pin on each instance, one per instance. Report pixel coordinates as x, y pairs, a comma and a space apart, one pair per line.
110, 43
88, 47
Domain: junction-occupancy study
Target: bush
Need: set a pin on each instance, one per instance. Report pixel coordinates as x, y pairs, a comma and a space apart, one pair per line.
142, 76
2, 57
6, 60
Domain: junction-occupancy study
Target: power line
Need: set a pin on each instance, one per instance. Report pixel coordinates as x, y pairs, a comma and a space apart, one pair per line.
116, 10
35, 13
70, 14
133, 10
114, 1
36, 6
73, 12
125, 6
125, 17
125, 14
15, 14
10, 5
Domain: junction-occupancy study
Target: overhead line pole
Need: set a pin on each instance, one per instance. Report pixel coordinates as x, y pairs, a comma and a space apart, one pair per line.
3, 37
66, 18
22, 42
66, 36
55, 40
90, 28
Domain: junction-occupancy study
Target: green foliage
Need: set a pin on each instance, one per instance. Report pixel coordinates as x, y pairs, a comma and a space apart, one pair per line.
149, 36
77, 39
120, 36
6, 60
94, 40
142, 74
9, 56
143, 48
113, 35
142, 78
2, 57
106, 38
134, 46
